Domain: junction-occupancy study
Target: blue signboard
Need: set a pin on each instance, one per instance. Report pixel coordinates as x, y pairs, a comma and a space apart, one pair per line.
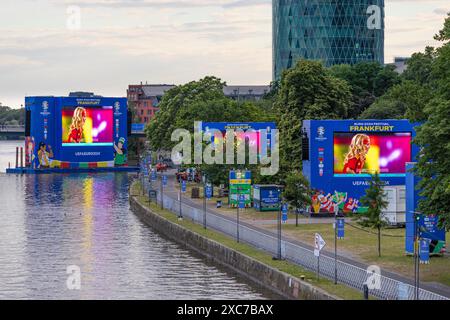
241, 201
138, 127
208, 191
403, 291
340, 228
266, 197
154, 176
344, 153
183, 186
284, 211
425, 251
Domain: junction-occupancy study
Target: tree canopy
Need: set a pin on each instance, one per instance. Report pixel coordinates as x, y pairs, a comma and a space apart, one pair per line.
368, 81
9, 116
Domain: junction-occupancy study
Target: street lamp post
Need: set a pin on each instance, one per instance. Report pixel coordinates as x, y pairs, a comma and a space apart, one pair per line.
162, 192
416, 256
238, 221
279, 254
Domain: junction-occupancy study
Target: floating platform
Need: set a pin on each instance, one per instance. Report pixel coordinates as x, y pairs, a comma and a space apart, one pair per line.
70, 170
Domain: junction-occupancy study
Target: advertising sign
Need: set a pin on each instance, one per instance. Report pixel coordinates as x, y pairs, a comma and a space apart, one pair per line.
284, 211
425, 251
153, 176
266, 197
83, 126
369, 153
208, 191
319, 244
340, 228
251, 132
240, 184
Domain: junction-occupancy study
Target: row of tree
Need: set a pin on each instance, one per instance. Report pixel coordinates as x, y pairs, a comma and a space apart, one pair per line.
310, 91
367, 91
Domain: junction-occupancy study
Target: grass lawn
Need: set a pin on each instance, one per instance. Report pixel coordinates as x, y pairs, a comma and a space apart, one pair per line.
364, 245
245, 214
339, 290
359, 244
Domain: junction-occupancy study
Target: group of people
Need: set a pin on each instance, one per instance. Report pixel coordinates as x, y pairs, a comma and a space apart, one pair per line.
44, 155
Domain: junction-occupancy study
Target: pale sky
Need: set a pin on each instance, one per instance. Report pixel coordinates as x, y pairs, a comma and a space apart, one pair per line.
120, 42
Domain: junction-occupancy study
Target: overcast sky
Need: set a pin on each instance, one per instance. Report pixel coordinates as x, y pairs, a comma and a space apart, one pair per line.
161, 41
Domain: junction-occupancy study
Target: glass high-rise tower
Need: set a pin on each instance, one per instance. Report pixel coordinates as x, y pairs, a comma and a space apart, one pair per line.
332, 31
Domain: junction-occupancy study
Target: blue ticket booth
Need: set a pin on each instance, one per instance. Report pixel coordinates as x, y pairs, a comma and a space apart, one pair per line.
266, 197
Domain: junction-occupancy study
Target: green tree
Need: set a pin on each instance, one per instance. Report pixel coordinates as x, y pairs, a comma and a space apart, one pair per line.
419, 66
174, 102
405, 99
307, 91
133, 108
375, 200
297, 191
9, 116
434, 162
204, 100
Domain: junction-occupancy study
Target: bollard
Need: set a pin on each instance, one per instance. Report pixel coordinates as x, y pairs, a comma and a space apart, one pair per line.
366, 292
17, 157
21, 157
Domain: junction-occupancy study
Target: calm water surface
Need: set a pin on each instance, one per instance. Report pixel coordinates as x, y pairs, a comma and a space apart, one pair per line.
50, 222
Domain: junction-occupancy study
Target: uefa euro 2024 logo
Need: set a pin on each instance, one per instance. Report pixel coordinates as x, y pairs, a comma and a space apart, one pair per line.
117, 108
321, 134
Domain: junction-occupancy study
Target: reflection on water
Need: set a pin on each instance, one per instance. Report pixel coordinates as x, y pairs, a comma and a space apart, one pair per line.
8, 153
49, 222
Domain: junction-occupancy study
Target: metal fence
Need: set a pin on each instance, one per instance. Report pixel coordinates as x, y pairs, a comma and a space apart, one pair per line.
353, 276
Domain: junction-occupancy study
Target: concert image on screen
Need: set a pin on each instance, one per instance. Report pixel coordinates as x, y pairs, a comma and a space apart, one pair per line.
85, 126
369, 153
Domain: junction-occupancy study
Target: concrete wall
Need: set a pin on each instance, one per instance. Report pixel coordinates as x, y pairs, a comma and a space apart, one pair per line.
278, 282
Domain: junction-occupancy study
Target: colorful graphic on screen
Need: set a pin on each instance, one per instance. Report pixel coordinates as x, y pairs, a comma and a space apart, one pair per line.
84, 126
253, 139
369, 153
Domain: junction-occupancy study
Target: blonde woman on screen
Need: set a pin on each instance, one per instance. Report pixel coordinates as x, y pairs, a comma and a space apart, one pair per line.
76, 128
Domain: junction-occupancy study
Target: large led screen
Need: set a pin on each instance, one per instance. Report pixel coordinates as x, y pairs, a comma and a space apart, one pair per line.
361, 153
85, 126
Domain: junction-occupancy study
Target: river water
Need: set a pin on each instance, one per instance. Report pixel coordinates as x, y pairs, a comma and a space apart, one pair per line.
49, 223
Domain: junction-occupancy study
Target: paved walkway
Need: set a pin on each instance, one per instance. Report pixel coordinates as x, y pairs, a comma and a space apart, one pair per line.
172, 192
